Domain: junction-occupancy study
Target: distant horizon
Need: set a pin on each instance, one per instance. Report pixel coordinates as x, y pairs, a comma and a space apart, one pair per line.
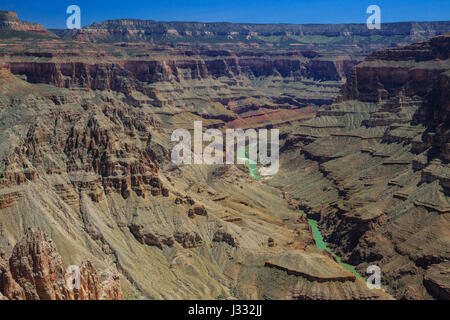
242, 22
249, 23
52, 15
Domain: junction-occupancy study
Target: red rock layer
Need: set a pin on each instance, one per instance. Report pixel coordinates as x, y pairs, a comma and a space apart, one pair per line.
36, 271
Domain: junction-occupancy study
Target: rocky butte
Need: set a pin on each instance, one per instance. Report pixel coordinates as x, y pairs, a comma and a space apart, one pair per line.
10, 25
86, 178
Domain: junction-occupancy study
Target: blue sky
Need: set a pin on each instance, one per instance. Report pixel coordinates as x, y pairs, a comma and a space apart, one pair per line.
52, 13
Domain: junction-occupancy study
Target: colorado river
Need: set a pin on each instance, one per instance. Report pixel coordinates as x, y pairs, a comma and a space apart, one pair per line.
321, 244
252, 166
318, 238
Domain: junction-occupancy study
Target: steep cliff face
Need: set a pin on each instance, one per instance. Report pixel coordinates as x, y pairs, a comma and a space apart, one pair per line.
235, 65
418, 73
413, 70
36, 271
434, 113
9, 288
114, 76
37, 267
130, 30
250, 86
75, 75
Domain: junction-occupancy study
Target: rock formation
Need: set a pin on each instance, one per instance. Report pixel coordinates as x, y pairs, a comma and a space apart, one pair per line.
9, 22
132, 30
36, 271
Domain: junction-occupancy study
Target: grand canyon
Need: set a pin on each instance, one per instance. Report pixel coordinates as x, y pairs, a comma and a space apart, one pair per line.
86, 177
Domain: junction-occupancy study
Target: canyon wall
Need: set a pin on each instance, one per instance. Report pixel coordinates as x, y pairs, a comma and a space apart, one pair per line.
376, 168
130, 30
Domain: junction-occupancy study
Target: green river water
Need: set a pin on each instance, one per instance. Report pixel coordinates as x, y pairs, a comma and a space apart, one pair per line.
252, 166
321, 244
318, 238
